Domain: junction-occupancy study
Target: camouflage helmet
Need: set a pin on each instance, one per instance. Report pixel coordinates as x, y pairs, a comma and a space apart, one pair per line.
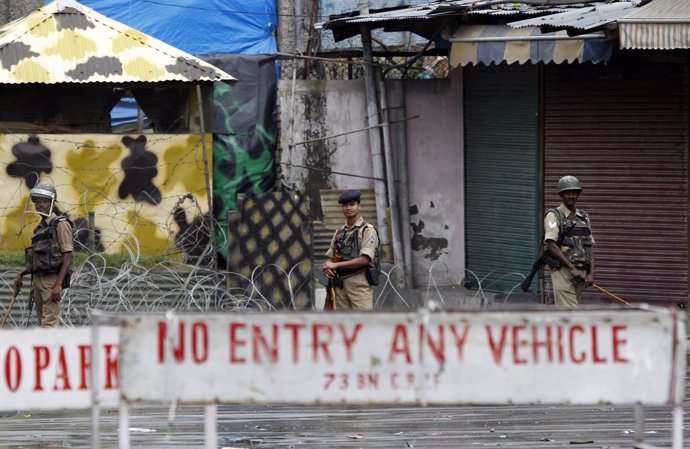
44, 190
567, 183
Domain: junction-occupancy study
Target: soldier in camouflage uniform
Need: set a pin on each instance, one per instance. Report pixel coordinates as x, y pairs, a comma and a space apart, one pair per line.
353, 248
569, 241
49, 258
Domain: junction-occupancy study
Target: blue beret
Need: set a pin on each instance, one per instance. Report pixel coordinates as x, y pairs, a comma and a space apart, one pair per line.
349, 196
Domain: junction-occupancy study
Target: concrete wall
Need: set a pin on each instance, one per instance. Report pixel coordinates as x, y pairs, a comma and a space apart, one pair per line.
436, 179
435, 158
324, 108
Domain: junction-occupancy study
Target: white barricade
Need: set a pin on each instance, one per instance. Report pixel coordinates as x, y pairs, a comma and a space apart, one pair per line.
618, 356
49, 369
604, 356
581, 356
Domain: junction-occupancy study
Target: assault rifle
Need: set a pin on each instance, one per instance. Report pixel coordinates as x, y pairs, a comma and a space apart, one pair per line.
329, 303
526, 284
544, 258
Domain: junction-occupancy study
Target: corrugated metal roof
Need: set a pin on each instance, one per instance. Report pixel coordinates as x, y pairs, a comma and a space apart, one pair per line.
66, 42
660, 10
414, 12
584, 18
659, 25
426, 19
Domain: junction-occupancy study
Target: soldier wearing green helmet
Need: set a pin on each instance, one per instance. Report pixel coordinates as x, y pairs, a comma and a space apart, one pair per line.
569, 243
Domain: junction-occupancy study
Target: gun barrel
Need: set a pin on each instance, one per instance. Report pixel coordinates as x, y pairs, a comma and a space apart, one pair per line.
526, 283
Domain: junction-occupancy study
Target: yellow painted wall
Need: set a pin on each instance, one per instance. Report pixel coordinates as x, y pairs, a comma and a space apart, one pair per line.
92, 172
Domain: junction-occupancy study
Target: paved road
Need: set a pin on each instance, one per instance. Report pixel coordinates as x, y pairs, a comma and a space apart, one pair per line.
261, 426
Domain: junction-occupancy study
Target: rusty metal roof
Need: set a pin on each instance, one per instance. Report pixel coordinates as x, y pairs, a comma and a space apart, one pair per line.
66, 42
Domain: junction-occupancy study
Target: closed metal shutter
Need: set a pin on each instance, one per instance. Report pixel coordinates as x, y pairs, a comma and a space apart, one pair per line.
501, 174
621, 129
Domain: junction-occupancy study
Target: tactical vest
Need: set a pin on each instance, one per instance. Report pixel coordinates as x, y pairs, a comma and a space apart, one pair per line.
347, 245
574, 237
45, 255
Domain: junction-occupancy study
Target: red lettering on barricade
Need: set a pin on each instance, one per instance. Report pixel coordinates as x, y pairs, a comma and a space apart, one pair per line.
62, 373
42, 359
294, 329
571, 344
497, 348
616, 341
13, 362
517, 344
437, 347
111, 367
199, 334
85, 365
177, 347
537, 344
460, 339
258, 340
400, 345
596, 358
318, 343
349, 340
236, 342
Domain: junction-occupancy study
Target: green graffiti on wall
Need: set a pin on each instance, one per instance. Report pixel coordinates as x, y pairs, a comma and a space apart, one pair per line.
243, 158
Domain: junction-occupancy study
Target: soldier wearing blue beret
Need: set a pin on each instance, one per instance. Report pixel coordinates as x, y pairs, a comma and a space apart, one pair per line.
353, 257
350, 196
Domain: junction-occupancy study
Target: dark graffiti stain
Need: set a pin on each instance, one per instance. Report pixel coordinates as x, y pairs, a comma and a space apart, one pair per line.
33, 158
15, 52
193, 238
140, 169
107, 65
185, 66
435, 245
72, 19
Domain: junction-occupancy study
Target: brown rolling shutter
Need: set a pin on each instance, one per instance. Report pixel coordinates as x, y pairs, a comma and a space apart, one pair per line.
621, 128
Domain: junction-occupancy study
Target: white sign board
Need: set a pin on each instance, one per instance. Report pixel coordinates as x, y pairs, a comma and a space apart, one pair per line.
49, 369
485, 357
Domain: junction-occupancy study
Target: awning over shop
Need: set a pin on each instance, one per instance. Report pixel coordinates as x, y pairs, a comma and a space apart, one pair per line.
659, 25
487, 44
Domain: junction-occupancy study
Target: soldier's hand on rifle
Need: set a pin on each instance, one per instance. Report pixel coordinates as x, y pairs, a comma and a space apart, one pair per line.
329, 268
577, 273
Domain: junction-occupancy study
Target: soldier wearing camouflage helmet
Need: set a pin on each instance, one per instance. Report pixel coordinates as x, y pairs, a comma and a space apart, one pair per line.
569, 243
50, 256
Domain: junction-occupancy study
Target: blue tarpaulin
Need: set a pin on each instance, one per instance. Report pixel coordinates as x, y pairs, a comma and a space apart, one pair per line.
200, 26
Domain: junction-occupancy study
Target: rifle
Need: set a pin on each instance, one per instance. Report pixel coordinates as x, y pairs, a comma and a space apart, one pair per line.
329, 303
526, 284
544, 257
31, 302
